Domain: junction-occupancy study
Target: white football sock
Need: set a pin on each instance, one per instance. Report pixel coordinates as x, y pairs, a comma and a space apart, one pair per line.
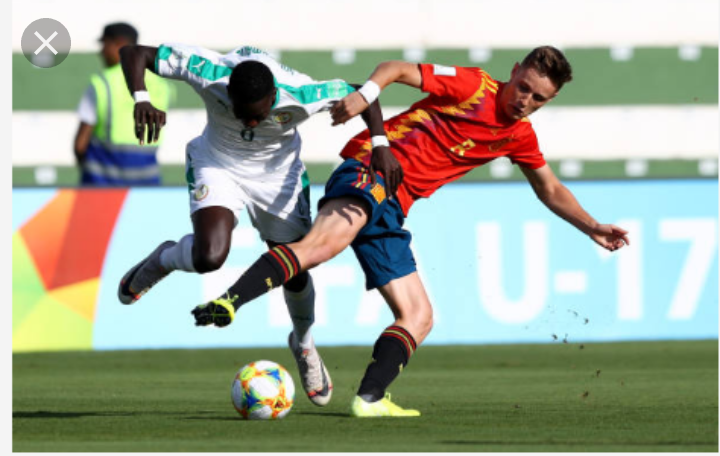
179, 256
301, 306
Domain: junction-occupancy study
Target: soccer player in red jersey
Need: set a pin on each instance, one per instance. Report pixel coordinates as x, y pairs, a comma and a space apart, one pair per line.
467, 120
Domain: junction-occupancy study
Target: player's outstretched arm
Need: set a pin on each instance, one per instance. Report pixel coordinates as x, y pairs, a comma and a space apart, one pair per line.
562, 202
385, 74
135, 60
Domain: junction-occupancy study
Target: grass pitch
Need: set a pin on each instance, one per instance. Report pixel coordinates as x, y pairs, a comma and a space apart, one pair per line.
649, 396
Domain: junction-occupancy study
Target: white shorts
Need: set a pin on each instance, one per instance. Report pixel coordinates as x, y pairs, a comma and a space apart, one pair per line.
276, 201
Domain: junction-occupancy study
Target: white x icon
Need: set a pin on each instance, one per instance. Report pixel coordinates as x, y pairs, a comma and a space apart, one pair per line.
46, 43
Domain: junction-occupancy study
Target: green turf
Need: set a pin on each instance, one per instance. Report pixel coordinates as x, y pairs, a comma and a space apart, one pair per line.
652, 76
651, 396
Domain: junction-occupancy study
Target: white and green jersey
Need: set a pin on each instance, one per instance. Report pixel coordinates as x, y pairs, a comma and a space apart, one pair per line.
275, 138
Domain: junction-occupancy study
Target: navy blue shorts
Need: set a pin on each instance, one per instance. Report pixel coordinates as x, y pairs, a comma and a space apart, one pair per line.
382, 246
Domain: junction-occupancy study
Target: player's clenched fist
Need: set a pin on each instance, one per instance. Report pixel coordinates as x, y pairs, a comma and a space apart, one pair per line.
146, 115
347, 108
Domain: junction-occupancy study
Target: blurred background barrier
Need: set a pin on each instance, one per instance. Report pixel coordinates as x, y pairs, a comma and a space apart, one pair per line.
379, 24
494, 276
643, 102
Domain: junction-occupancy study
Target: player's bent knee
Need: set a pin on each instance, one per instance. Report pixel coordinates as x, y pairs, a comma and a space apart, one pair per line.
418, 319
209, 261
205, 265
423, 321
429, 323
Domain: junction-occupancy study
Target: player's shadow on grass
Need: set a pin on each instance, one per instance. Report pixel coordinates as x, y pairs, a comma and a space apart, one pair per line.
44, 414
238, 417
326, 414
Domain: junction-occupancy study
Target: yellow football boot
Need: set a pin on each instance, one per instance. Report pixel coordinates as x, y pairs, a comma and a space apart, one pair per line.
383, 407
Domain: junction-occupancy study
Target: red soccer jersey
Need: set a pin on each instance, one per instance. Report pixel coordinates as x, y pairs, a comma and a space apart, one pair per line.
453, 130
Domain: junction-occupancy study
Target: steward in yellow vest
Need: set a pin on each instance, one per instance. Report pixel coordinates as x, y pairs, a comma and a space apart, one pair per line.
106, 148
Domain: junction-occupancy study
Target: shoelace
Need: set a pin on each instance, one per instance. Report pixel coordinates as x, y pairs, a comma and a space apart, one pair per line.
314, 376
389, 403
226, 299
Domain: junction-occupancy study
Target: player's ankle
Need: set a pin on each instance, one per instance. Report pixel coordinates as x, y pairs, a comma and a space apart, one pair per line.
371, 396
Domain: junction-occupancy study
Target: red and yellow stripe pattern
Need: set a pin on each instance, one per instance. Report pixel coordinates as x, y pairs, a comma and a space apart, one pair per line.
407, 122
287, 260
403, 336
401, 126
363, 177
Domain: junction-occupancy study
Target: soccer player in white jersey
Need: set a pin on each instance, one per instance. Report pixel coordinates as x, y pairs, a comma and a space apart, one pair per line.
246, 158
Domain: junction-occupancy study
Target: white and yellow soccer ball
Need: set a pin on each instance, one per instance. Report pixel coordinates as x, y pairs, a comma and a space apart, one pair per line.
263, 390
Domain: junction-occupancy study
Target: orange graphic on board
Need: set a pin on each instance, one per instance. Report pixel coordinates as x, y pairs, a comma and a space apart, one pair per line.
58, 256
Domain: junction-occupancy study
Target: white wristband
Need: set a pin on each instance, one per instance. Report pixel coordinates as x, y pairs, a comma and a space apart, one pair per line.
141, 95
379, 140
370, 91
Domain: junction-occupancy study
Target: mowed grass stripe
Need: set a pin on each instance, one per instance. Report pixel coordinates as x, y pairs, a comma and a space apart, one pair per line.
643, 396
651, 76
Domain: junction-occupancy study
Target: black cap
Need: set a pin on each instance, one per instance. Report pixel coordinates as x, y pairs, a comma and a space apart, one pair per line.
118, 30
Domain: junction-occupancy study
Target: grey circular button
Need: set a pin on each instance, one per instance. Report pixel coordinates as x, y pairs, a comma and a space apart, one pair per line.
45, 43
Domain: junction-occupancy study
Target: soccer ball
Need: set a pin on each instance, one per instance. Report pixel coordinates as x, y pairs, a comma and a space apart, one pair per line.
263, 390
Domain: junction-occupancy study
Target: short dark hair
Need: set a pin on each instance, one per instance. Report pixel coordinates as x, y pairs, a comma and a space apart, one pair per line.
550, 62
120, 30
250, 81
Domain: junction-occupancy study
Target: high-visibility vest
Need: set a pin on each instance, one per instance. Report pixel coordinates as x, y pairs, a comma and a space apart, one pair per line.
114, 156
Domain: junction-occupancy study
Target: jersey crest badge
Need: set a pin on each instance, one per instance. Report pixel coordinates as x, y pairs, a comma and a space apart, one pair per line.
201, 192
282, 117
497, 145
